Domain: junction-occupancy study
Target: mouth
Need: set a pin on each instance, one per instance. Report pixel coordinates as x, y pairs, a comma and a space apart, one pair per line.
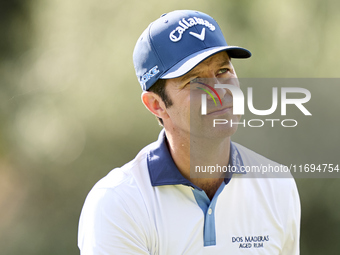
222, 111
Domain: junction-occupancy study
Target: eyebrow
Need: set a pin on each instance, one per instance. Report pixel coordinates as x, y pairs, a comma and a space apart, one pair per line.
190, 74
225, 62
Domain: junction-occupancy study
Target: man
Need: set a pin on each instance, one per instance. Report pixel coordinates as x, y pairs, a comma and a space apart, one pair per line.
153, 204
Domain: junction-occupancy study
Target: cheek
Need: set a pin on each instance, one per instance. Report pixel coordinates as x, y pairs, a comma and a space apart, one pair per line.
179, 112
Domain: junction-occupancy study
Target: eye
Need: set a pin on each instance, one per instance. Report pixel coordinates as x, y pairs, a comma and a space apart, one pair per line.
222, 71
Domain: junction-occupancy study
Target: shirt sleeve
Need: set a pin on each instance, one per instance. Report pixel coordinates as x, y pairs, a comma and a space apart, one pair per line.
107, 226
292, 235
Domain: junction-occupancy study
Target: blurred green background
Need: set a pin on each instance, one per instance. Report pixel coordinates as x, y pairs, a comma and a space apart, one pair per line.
70, 108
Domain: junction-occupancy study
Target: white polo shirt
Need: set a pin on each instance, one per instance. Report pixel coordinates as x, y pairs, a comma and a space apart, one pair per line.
148, 207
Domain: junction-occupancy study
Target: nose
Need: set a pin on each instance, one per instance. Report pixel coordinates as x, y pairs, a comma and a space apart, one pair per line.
219, 93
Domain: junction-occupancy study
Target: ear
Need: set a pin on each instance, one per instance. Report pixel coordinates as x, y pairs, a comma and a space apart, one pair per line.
154, 104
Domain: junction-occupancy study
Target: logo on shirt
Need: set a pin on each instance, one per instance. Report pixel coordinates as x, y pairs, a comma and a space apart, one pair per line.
247, 242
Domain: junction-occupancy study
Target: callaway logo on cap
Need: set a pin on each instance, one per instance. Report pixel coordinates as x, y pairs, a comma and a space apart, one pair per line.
175, 43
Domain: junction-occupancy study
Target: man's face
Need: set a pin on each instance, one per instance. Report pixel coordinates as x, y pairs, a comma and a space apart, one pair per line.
185, 113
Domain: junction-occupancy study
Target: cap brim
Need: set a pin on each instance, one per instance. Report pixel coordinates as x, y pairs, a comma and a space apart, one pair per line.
188, 63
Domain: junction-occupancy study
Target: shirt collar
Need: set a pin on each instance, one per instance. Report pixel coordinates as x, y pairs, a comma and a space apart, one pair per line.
162, 168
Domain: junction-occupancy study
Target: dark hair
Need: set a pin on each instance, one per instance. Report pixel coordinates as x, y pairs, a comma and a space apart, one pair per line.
159, 89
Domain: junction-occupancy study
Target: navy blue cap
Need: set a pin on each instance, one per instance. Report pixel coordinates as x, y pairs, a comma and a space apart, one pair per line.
175, 43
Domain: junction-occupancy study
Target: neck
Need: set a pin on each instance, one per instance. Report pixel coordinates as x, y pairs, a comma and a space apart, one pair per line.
195, 154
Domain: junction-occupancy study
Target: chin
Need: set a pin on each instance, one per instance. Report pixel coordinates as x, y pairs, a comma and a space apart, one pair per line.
224, 131
206, 129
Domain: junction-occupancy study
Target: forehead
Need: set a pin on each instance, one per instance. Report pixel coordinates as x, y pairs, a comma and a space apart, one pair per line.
217, 58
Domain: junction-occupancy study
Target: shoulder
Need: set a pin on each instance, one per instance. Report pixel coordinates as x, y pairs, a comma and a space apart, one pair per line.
124, 188
116, 205
115, 212
124, 181
259, 166
251, 157
272, 178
